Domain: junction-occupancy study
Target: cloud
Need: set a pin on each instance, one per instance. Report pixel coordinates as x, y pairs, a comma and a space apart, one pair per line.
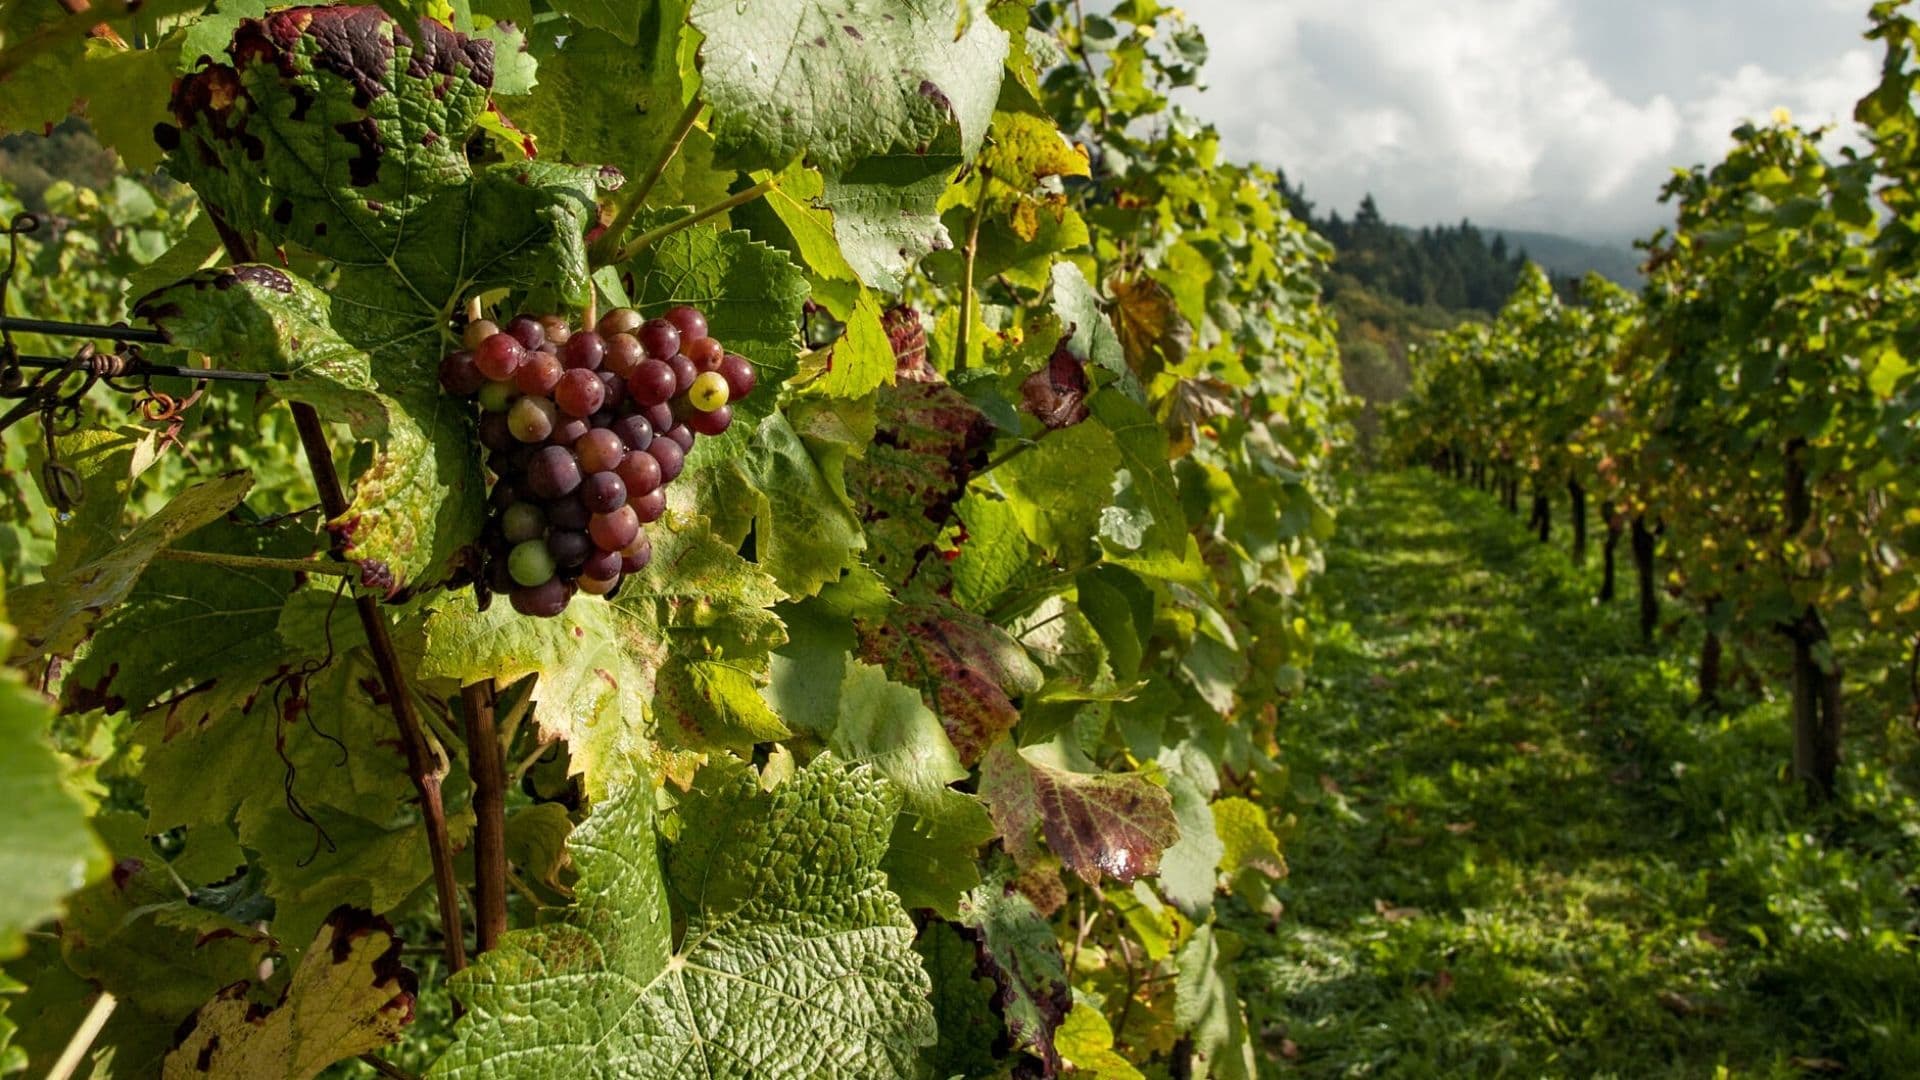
1555, 114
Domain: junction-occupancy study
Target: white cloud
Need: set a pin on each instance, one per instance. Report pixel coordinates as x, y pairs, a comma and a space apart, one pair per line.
1554, 114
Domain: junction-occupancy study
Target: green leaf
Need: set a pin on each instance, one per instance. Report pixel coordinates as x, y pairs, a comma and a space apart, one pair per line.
46, 849
56, 615
1150, 486
993, 553
1078, 307
1116, 824
769, 946
688, 637
843, 82
1085, 1043
930, 862
804, 532
886, 213
1190, 868
348, 996
1207, 1005
1059, 488
963, 1004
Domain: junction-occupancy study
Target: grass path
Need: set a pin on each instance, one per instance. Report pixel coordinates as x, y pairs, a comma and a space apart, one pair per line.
1520, 853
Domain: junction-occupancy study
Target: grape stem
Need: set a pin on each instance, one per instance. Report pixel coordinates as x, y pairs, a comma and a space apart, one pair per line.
963, 341
83, 1037
490, 814
628, 203
385, 1068
653, 236
258, 562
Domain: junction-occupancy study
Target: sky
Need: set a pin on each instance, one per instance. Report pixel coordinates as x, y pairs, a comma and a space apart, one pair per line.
1559, 115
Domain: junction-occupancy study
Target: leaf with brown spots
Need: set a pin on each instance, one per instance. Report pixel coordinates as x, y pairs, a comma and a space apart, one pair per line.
929, 442
1112, 824
349, 995
967, 670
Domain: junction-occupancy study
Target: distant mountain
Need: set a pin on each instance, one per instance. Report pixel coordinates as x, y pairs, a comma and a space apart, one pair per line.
1564, 256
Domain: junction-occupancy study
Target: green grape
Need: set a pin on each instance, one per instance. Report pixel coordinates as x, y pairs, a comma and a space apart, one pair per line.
530, 563
498, 396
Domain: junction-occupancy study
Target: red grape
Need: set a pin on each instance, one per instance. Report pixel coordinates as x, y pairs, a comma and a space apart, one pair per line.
580, 393
584, 350
539, 373
640, 471
652, 383
670, 456
740, 375
661, 417
681, 435
691, 324
556, 329
601, 564
683, 373
615, 529
636, 431
569, 430
635, 556
706, 354
532, 419
648, 508
499, 356
599, 586
570, 547
624, 355
659, 338
621, 320
616, 388
711, 423
599, 450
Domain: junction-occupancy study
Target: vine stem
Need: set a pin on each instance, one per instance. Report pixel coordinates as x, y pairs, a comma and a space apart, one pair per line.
653, 236
385, 1068
490, 814
413, 741
964, 339
257, 562
83, 1037
628, 203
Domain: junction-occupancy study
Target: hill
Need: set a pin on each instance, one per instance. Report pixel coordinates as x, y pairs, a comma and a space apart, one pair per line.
1565, 256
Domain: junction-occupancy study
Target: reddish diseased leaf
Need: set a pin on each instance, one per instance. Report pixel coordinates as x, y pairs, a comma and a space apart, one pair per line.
908, 336
967, 669
1096, 823
1019, 950
1057, 393
929, 441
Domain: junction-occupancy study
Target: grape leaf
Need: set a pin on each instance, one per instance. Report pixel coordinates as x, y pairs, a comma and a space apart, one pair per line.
1116, 824
993, 553
1207, 1005
790, 957
349, 995
845, 81
1085, 1044
689, 635
886, 213
928, 442
962, 1004
930, 860
1058, 488
1019, 949
804, 533
1150, 488
1078, 307
46, 848
967, 669
57, 614
1190, 867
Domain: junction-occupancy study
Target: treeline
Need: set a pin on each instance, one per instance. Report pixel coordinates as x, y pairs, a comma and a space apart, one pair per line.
1749, 416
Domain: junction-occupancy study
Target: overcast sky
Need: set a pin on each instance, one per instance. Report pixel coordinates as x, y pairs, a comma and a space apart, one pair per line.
1563, 115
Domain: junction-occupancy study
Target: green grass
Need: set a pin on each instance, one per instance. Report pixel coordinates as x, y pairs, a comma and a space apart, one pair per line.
1521, 852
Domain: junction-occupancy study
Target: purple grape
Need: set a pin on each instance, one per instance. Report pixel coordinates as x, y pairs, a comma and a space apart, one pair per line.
614, 529
494, 432
652, 383
616, 390
621, 320
542, 601
661, 417
711, 423
460, 376
600, 450
680, 434
568, 513
649, 507
683, 373
640, 471
499, 356
580, 393
691, 324
569, 430
636, 432
602, 565
603, 492
553, 472
706, 353
585, 350
670, 456
635, 557
569, 547
526, 330
740, 375
624, 355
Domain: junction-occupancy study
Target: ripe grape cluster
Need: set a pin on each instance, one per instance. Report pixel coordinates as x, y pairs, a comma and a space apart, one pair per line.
584, 428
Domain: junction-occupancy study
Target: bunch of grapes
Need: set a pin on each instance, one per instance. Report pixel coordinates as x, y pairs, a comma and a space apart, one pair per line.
584, 428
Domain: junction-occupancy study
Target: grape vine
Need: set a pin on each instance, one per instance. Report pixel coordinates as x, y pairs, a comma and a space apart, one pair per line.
939, 427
